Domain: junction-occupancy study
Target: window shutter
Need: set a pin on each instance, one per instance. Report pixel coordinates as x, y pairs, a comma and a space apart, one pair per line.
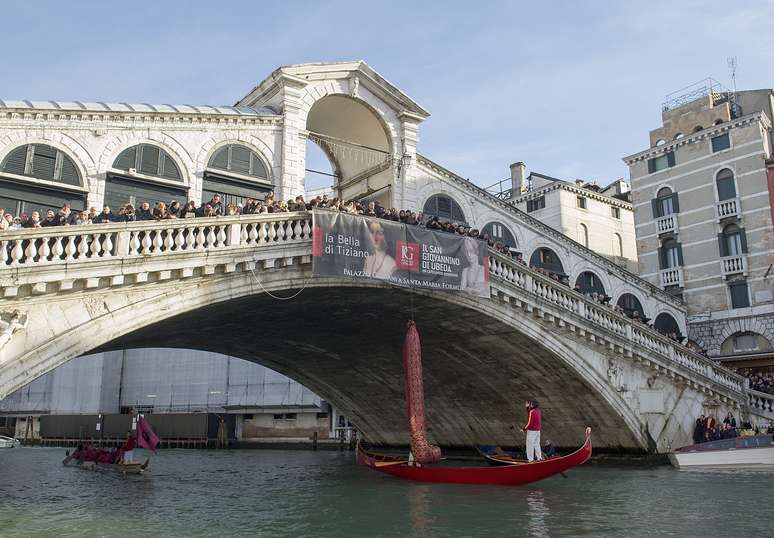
240, 160
170, 168
661, 263
258, 169
675, 203
127, 159
16, 160
722, 245
220, 159
743, 239
43, 162
670, 159
655, 205
69, 172
651, 165
149, 160
680, 254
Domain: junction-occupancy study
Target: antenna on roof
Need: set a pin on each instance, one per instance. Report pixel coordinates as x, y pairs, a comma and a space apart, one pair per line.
733, 63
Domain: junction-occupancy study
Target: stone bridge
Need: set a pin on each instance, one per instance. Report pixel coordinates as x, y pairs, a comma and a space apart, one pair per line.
243, 285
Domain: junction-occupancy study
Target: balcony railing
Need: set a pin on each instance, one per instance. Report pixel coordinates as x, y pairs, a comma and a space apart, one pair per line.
666, 224
672, 277
761, 402
727, 208
733, 265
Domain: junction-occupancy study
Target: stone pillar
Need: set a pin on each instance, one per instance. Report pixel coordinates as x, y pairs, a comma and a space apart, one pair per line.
404, 183
518, 178
291, 183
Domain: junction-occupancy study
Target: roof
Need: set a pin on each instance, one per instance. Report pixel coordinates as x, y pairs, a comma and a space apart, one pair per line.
79, 106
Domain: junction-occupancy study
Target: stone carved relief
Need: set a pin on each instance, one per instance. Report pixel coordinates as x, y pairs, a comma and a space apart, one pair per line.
10, 323
354, 86
615, 375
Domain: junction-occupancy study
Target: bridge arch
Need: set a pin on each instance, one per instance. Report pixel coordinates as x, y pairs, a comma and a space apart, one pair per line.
546, 258
516, 352
631, 304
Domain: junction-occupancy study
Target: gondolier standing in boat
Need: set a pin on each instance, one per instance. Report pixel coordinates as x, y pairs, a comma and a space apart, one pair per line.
533, 431
128, 447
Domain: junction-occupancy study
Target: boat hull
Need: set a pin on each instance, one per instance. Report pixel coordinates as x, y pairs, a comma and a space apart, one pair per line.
135, 467
741, 457
505, 475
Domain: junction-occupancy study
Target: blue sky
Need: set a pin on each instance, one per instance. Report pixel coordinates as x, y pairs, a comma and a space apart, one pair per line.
567, 87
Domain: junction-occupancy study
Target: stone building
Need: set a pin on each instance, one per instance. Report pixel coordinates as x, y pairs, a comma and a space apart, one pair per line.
600, 219
703, 196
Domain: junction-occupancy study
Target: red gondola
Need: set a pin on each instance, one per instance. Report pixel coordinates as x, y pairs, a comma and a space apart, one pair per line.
514, 474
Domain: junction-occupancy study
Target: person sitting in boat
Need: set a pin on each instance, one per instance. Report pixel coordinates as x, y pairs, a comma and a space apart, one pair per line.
549, 451
78, 453
104, 456
129, 447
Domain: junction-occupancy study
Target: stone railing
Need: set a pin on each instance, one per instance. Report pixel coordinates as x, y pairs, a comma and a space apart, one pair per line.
603, 316
671, 277
32, 258
761, 401
727, 208
731, 265
72, 244
666, 224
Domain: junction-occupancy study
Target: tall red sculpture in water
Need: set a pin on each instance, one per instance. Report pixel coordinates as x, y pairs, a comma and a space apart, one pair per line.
423, 451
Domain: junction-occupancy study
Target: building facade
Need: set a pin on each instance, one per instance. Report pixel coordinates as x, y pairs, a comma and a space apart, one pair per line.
600, 219
703, 196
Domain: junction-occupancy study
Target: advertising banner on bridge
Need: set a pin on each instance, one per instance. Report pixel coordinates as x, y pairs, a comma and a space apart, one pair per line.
356, 246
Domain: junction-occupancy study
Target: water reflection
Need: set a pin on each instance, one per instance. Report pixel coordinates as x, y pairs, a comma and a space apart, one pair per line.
537, 512
419, 510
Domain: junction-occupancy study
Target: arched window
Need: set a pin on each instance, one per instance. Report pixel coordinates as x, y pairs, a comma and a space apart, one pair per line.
733, 241
583, 235
725, 184
666, 201
666, 325
42, 162
671, 255
499, 232
660, 142
588, 282
617, 244
678, 136
630, 304
444, 207
698, 128
148, 160
125, 187
545, 258
236, 173
238, 160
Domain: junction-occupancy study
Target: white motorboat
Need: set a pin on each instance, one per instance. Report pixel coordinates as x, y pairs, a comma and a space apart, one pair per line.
751, 452
8, 442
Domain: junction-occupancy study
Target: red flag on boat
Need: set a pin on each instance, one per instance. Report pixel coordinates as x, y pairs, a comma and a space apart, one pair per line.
146, 437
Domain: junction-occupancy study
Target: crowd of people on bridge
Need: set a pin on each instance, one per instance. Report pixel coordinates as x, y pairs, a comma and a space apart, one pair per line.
216, 207
760, 381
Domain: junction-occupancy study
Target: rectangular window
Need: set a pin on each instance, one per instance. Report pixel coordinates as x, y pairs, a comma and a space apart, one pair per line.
322, 415
279, 416
615, 212
247, 416
661, 162
740, 298
581, 202
719, 143
537, 203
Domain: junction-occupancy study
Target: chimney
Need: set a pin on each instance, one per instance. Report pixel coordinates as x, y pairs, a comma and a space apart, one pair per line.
518, 178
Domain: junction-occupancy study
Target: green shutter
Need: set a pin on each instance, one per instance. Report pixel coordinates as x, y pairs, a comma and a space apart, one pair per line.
149, 160
220, 159
127, 159
170, 170
670, 159
743, 238
70, 173
651, 165
680, 255
240, 160
44, 162
722, 245
655, 205
257, 169
661, 260
16, 161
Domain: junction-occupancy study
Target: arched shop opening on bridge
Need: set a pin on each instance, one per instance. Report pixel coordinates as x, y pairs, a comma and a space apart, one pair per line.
357, 146
236, 173
144, 173
667, 325
632, 307
588, 282
38, 177
546, 259
445, 208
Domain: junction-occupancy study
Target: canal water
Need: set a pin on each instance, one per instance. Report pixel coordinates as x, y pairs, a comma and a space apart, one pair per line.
191, 493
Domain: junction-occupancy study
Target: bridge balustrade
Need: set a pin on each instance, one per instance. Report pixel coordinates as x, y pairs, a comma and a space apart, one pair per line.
761, 402
74, 245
